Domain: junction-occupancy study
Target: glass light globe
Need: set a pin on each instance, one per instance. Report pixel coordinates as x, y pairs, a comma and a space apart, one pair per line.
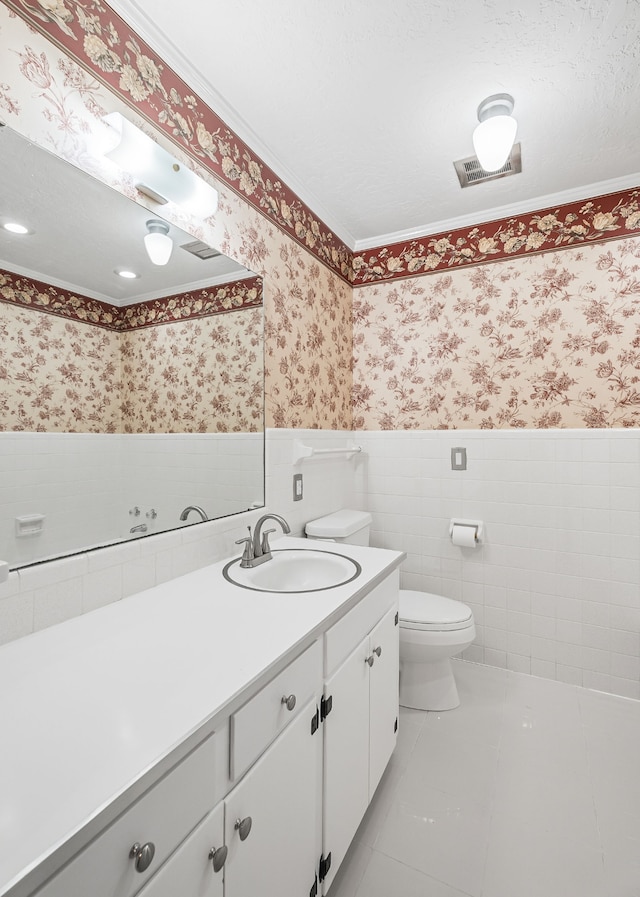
493, 139
158, 248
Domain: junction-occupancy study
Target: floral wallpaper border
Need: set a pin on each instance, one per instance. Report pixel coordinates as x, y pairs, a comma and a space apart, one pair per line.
101, 42
615, 215
193, 304
41, 296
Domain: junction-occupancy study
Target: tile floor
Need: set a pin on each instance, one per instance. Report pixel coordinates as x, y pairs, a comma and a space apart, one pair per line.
531, 788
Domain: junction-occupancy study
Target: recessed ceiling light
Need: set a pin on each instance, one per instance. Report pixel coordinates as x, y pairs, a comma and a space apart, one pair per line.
129, 275
16, 228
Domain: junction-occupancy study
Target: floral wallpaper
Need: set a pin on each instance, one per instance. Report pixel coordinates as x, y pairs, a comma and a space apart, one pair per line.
109, 370
308, 317
547, 341
525, 322
48, 97
57, 375
201, 375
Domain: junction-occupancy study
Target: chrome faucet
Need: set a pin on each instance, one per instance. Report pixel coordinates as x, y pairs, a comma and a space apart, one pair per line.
256, 548
140, 528
195, 508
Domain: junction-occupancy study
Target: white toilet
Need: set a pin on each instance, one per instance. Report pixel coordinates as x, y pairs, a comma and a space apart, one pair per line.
432, 628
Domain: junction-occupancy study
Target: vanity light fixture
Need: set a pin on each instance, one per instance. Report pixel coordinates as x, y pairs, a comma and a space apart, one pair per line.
494, 137
157, 173
14, 228
157, 241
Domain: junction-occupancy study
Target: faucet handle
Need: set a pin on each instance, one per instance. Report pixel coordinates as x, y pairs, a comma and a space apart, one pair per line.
247, 554
266, 548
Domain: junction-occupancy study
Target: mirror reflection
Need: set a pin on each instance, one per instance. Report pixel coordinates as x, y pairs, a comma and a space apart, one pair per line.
128, 405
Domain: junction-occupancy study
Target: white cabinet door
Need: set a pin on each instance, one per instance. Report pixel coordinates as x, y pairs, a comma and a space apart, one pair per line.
383, 696
359, 735
189, 872
281, 794
346, 756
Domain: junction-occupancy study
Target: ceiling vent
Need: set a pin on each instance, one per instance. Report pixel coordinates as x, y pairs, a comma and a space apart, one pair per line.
201, 250
471, 172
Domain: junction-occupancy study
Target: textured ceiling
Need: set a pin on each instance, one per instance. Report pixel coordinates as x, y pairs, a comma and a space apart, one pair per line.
361, 106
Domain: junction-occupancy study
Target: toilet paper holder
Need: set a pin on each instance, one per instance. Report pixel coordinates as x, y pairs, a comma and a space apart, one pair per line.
478, 525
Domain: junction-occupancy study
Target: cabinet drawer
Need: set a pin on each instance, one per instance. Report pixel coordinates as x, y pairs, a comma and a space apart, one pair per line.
352, 628
164, 816
189, 871
262, 718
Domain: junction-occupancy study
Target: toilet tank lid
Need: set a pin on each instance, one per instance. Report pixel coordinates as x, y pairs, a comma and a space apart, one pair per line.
338, 525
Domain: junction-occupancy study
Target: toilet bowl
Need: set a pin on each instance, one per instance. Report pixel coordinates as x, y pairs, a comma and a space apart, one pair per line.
433, 629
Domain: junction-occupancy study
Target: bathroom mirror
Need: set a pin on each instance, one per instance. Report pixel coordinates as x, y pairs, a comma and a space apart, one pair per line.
124, 402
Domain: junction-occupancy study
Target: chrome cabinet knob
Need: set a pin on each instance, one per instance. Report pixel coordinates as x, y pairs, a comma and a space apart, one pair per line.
243, 827
289, 701
370, 659
377, 650
142, 855
218, 856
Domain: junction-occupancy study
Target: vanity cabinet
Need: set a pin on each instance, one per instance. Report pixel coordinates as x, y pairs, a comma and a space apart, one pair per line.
269, 803
361, 719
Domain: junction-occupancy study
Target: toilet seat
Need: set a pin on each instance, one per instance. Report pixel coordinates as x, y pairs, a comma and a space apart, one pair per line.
432, 613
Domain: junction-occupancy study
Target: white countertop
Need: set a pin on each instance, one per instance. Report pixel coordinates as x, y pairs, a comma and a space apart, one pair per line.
89, 706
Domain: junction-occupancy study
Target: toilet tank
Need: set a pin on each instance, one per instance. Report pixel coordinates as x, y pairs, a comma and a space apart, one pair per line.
351, 527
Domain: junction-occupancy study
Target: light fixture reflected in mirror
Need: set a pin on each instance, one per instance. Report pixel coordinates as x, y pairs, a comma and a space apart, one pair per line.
14, 228
160, 176
493, 138
157, 241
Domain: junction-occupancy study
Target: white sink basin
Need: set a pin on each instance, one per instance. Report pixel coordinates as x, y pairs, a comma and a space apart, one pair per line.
295, 570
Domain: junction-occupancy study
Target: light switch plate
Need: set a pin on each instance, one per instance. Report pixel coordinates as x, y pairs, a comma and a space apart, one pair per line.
297, 487
458, 458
